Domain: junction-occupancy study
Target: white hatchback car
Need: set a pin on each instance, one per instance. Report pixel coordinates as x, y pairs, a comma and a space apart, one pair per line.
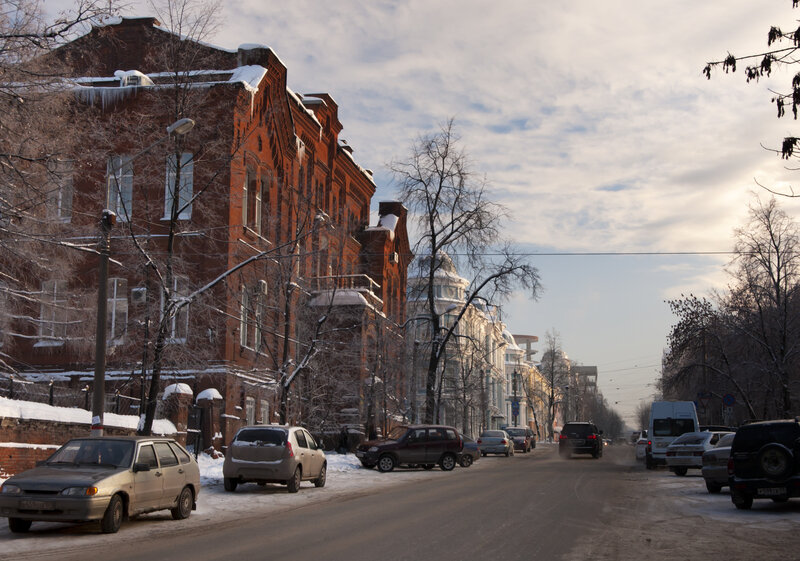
641, 446
274, 454
686, 451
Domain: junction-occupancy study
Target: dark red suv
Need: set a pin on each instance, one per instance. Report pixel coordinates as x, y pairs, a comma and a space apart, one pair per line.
425, 445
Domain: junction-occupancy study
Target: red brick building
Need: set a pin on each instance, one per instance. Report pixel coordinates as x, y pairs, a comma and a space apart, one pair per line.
263, 231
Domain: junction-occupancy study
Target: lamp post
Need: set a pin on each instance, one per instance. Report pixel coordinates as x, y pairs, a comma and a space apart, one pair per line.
107, 221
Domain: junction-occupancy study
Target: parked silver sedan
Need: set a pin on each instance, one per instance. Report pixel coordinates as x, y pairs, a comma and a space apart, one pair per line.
495, 442
105, 479
715, 464
274, 454
686, 451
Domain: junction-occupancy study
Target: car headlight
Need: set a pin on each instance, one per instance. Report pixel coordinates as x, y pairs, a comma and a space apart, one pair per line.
373, 449
80, 491
10, 489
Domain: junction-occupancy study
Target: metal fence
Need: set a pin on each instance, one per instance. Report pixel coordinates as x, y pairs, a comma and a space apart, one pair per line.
65, 396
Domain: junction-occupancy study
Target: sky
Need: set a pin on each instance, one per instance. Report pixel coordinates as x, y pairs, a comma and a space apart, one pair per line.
591, 121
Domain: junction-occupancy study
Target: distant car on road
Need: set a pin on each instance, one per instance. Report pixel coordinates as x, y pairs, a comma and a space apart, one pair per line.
105, 479
425, 445
469, 453
686, 451
274, 454
496, 442
580, 438
640, 446
523, 437
715, 464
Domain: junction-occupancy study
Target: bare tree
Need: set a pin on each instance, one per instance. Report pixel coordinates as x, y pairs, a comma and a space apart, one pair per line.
453, 215
36, 166
555, 371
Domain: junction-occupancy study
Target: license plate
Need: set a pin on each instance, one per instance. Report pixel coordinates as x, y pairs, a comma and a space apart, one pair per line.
359, 454
771, 491
35, 505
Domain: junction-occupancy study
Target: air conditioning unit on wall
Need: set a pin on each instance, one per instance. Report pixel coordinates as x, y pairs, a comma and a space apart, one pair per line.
138, 295
394, 257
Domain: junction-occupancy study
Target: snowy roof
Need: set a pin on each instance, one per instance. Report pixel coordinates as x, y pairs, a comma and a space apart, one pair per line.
31, 410
179, 388
210, 393
340, 298
386, 223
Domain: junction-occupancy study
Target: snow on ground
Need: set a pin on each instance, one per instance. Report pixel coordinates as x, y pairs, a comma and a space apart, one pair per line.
693, 499
345, 476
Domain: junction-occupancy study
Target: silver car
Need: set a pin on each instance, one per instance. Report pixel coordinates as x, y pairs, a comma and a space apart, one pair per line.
686, 451
715, 464
105, 479
274, 454
495, 442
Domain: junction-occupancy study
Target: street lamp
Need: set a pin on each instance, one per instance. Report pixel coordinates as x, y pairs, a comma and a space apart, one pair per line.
107, 221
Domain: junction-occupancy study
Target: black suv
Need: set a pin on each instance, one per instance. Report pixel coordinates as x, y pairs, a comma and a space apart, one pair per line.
425, 445
580, 438
765, 462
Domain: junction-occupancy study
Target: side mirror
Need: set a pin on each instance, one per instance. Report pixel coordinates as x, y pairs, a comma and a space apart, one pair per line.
141, 467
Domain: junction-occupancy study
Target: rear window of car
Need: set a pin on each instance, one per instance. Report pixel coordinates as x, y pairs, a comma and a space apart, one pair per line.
753, 437
493, 434
516, 432
578, 430
726, 440
691, 438
274, 436
672, 427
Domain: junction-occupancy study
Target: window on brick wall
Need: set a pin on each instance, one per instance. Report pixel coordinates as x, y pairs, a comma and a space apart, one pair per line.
53, 313
250, 410
251, 203
60, 190
185, 186
119, 183
116, 311
179, 322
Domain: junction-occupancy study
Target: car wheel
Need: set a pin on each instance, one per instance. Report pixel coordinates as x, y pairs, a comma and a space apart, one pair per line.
386, 463
596, 455
112, 519
448, 462
483, 454
775, 461
466, 461
428, 466
713, 487
293, 485
18, 525
320, 481
648, 462
680, 471
230, 484
741, 500
184, 506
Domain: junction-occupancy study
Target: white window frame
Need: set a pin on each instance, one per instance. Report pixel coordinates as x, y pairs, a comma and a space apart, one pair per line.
53, 313
250, 410
244, 314
179, 322
62, 190
260, 312
119, 192
186, 186
117, 311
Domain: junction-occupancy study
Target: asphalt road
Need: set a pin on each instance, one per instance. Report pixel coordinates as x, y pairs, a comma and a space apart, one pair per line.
531, 506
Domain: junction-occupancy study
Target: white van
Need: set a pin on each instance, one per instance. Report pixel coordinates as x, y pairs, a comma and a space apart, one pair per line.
668, 420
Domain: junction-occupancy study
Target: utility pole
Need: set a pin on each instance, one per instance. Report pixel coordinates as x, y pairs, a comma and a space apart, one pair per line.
107, 221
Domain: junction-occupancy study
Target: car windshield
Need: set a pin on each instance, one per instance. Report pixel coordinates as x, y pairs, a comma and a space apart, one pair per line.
274, 436
672, 427
396, 433
94, 451
516, 432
